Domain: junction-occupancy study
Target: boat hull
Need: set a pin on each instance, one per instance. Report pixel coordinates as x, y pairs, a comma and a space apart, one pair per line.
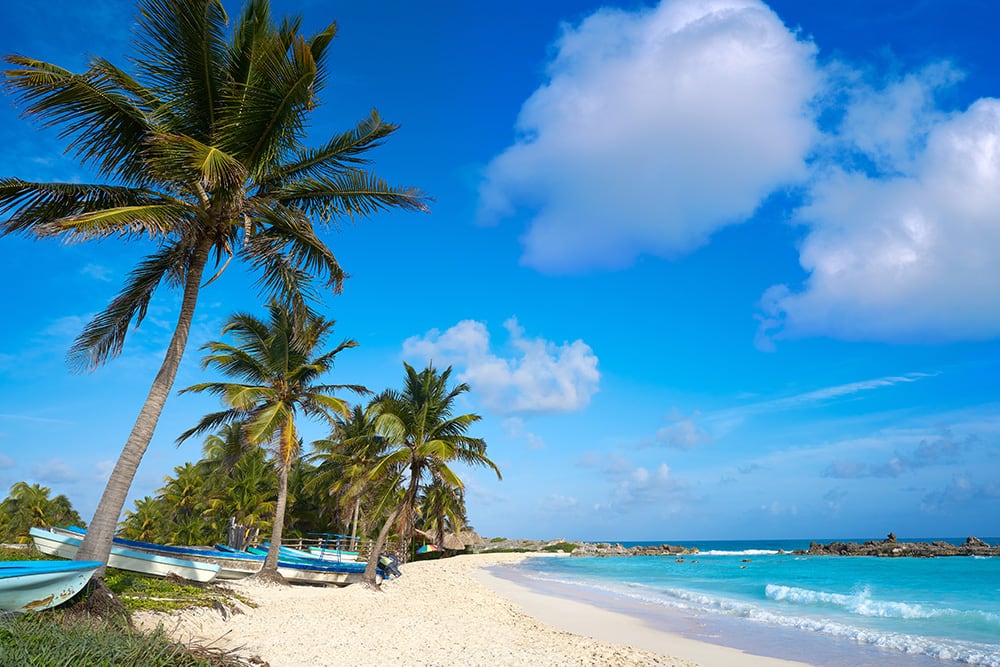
65, 545
36, 585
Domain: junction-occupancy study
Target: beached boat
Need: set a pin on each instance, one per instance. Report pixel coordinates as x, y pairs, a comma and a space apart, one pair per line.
335, 555
309, 570
232, 566
34, 585
64, 543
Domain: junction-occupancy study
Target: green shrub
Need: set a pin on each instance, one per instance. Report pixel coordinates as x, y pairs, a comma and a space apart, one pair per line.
568, 547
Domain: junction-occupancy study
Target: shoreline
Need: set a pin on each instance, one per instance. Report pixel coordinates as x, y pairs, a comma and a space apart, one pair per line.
582, 617
440, 612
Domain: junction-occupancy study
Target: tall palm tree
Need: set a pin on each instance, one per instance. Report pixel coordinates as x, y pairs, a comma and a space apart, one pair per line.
201, 149
423, 437
279, 372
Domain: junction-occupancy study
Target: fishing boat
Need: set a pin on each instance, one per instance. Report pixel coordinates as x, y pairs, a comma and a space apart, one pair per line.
309, 570
232, 566
34, 585
335, 555
64, 543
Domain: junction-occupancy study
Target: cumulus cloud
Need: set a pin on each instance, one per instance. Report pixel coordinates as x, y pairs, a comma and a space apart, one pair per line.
517, 430
654, 129
538, 377
927, 453
55, 471
961, 490
683, 432
906, 249
637, 485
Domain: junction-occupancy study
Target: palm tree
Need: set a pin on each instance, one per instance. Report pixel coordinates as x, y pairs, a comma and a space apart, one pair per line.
442, 507
423, 438
248, 493
279, 372
345, 460
29, 505
202, 153
146, 521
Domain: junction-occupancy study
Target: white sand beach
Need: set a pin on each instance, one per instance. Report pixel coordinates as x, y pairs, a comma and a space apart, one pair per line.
441, 612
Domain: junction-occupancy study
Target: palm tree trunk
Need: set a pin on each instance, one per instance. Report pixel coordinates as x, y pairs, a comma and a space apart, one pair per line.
354, 523
270, 569
97, 543
369, 577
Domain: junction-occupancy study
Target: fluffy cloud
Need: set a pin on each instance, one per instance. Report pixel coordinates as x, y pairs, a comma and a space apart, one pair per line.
683, 432
540, 377
942, 451
55, 471
654, 129
908, 249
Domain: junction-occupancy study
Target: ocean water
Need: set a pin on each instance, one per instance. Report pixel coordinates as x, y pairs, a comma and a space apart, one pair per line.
825, 610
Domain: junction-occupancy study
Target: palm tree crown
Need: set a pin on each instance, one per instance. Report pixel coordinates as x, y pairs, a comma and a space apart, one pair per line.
423, 439
279, 375
202, 148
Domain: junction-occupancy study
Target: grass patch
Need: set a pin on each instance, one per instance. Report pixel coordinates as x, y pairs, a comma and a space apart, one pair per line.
46, 639
12, 553
498, 539
142, 593
568, 547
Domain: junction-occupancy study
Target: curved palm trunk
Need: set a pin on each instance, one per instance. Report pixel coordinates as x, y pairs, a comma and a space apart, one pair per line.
270, 568
97, 543
369, 577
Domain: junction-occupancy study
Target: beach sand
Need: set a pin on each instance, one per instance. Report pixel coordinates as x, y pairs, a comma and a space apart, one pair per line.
440, 612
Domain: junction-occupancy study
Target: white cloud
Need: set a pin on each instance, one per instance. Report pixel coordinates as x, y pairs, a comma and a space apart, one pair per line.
683, 432
540, 376
55, 471
908, 251
516, 430
654, 129
97, 272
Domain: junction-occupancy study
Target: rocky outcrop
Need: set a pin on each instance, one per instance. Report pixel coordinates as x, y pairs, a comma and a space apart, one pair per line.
584, 548
892, 548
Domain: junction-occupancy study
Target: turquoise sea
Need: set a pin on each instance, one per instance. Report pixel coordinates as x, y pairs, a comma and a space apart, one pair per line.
825, 610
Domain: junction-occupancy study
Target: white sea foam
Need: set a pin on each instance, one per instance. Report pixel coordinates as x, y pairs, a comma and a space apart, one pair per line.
745, 552
861, 603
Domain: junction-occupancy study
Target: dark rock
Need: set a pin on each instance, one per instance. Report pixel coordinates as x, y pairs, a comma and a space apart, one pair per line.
894, 549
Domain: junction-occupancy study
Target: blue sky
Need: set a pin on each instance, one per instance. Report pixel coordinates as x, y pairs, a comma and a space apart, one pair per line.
712, 268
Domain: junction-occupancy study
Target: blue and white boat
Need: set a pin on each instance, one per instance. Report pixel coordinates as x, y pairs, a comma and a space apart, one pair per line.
64, 544
34, 585
307, 569
232, 566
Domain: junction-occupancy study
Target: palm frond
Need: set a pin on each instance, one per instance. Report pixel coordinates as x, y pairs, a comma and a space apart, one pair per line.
351, 193
342, 151
181, 159
182, 52
104, 335
106, 126
36, 208
212, 422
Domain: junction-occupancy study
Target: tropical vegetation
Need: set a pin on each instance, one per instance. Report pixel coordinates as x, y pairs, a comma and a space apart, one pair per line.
280, 363
199, 153
29, 505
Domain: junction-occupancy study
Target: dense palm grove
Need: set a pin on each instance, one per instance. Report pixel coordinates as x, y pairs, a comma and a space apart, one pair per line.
343, 485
